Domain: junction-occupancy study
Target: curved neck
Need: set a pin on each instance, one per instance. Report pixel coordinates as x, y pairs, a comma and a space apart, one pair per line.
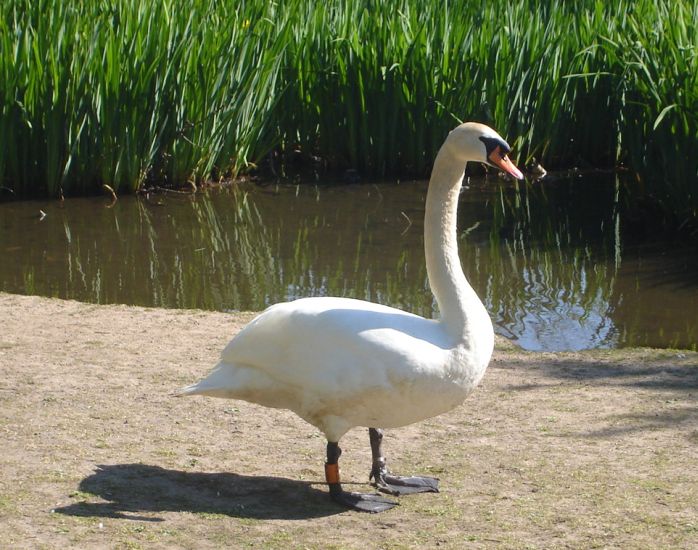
460, 308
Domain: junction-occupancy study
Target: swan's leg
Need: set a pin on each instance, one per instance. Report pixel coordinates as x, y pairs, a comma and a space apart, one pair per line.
355, 501
395, 485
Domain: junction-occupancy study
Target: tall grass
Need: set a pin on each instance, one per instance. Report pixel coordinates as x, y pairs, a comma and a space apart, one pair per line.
655, 59
122, 92
115, 92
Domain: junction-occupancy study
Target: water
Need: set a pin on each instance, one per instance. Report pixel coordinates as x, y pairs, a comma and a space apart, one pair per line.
547, 258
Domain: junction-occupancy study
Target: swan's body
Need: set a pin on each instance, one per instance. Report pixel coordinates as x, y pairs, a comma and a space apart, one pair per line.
389, 368
340, 363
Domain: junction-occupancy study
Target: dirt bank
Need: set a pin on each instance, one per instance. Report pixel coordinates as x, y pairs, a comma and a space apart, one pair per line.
565, 450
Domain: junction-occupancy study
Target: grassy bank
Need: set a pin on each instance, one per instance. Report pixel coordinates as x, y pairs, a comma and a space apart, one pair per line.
571, 450
124, 93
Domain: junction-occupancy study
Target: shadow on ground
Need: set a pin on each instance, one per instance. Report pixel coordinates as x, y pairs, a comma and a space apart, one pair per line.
131, 489
680, 374
674, 377
621, 424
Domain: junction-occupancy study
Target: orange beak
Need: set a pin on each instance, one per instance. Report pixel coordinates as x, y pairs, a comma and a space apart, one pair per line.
502, 161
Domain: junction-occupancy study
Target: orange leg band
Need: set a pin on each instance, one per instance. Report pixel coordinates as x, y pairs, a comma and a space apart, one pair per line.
332, 473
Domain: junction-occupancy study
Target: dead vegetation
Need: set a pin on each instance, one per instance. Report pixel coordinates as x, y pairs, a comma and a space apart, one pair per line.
583, 450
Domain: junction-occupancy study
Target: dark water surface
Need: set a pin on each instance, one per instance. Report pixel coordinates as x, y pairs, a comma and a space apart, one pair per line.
547, 258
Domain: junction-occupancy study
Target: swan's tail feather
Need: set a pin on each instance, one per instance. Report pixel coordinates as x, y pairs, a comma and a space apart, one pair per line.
222, 381
189, 390
202, 388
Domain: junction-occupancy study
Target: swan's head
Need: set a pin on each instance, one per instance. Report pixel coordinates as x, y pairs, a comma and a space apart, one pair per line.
479, 143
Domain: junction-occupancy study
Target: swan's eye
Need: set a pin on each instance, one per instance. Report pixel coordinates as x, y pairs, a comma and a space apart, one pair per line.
496, 155
493, 145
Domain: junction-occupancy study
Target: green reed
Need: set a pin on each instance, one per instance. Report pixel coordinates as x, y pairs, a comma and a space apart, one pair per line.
656, 60
119, 92
125, 93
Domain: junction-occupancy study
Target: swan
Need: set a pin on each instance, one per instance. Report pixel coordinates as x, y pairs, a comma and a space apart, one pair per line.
340, 363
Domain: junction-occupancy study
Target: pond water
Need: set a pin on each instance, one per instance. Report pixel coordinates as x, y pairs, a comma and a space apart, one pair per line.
548, 258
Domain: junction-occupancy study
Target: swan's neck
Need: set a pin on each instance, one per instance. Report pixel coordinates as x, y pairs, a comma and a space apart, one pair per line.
462, 312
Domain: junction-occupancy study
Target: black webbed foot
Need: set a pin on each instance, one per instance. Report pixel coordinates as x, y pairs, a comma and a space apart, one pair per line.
398, 485
395, 485
361, 502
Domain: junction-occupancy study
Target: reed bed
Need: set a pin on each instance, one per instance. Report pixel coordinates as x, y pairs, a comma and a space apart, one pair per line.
127, 93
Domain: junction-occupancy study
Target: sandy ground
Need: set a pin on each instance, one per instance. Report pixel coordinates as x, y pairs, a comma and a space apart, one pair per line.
584, 450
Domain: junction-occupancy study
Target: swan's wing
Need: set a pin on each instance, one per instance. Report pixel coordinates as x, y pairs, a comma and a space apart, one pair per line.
338, 363
338, 345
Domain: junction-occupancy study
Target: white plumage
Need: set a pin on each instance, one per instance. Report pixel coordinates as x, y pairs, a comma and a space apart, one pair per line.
340, 363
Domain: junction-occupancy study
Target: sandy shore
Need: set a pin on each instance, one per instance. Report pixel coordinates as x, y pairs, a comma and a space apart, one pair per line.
565, 450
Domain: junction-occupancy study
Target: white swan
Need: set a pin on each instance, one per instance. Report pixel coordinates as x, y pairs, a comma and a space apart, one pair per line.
340, 363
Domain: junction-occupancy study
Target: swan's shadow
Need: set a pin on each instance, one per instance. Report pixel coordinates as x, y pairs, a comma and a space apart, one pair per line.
130, 489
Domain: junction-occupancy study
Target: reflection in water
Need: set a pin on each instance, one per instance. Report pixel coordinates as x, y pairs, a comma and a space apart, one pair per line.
552, 262
547, 257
